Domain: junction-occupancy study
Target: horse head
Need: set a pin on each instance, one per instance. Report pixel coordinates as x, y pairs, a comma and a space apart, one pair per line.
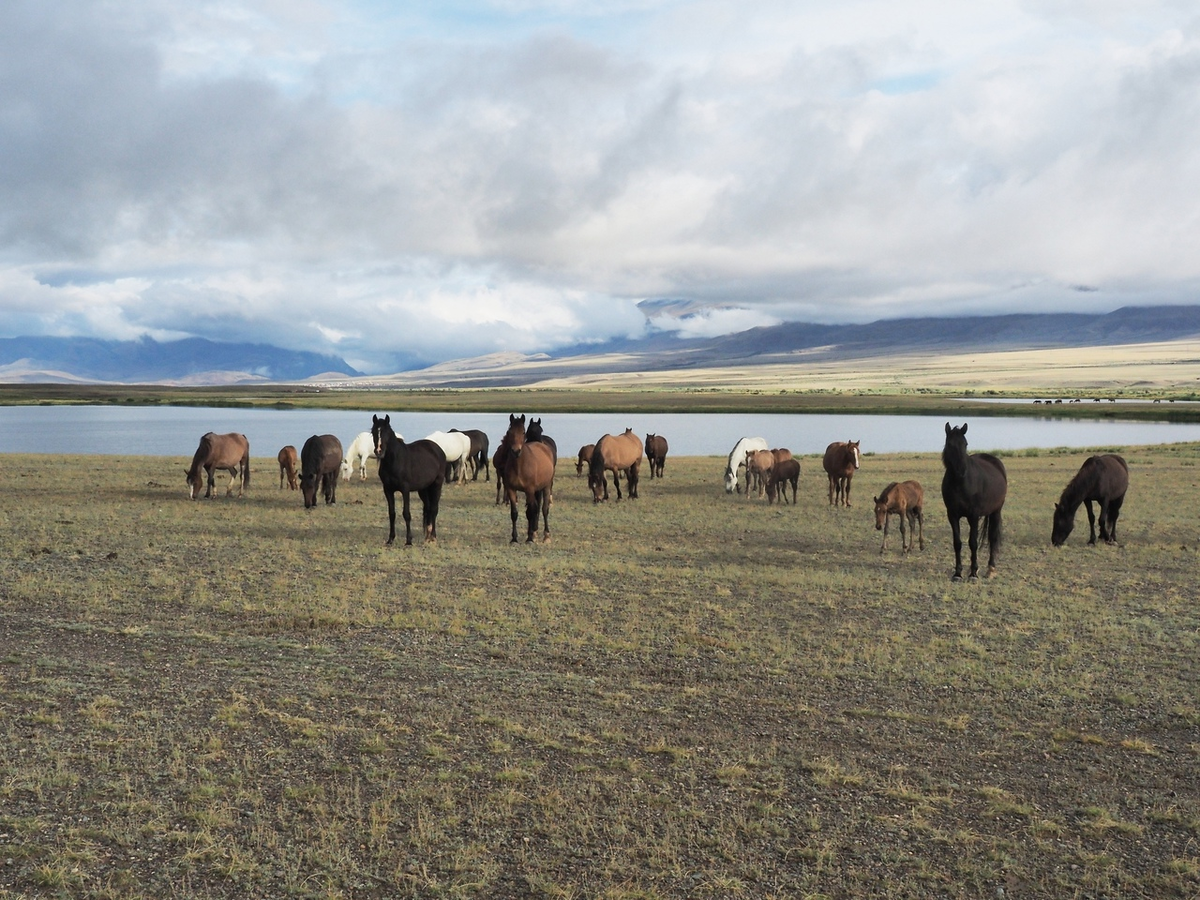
852, 446
380, 430
195, 481
1064, 523
954, 453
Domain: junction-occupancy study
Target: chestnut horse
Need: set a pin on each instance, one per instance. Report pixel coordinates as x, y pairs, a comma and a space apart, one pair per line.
1104, 479
974, 486
320, 465
783, 473
419, 466
585, 457
841, 462
288, 461
906, 499
656, 454
759, 464
529, 469
622, 453
224, 452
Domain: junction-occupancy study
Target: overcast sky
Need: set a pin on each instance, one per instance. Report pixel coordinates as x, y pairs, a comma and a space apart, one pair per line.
404, 182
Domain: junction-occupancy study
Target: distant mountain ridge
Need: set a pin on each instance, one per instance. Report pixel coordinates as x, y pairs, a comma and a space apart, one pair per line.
146, 361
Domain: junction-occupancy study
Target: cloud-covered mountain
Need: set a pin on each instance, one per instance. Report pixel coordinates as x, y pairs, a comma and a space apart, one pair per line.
146, 361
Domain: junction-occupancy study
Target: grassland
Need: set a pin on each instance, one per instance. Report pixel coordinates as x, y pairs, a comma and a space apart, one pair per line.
688, 695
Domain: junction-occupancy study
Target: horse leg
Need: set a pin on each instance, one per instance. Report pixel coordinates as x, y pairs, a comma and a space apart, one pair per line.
905, 531
1104, 521
1092, 522
920, 516
391, 501
631, 479
849, 478
407, 520
512, 509
546, 500
1114, 510
887, 520
957, 541
973, 544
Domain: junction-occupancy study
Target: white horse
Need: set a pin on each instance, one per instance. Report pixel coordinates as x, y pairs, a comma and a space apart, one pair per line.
360, 450
737, 457
457, 447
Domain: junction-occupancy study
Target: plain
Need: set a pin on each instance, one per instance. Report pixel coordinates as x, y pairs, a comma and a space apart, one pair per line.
690, 694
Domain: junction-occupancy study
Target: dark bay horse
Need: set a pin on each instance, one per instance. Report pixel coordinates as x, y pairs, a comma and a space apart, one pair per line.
320, 466
619, 453
841, 462
529, 469
584, 458
783, 473
220, 452
289, 460
973, 487
1103, 479
656, 454
479, 453
906, 499
419, 466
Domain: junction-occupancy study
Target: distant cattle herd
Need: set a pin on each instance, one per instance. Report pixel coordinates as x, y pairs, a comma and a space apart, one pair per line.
974, 485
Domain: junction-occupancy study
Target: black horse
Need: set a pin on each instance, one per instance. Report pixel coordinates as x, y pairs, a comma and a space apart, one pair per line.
320, 463
419, 466
534, 434
974, 487
1104, 479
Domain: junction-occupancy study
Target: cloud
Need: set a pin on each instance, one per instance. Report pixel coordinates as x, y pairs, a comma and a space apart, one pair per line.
404, 185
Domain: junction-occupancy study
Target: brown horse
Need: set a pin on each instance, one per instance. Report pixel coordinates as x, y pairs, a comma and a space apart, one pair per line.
622, 453
759, 464
585, 457
499, 461
223, 452
529, 468
781, 454
478, 457
656, 454
320, 465
907, 499
288, 460
841, 461
1104, 479
783, 473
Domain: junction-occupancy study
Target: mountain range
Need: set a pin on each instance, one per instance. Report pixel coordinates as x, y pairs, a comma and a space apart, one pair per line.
198, 361
194, 361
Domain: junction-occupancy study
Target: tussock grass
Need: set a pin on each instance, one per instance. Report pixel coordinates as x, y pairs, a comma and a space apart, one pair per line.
687, 695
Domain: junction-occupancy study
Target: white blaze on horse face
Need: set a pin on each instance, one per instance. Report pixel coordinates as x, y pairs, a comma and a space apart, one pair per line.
855, 456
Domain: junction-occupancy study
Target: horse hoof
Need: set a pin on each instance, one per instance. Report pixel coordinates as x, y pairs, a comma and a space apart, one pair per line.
956, 577
991, 572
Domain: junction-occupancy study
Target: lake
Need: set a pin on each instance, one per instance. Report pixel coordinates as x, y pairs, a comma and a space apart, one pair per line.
175, 430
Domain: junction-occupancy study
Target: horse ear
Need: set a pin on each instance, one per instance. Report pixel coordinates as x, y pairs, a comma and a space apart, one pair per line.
387, 420
374, 420
964, 428
947, 429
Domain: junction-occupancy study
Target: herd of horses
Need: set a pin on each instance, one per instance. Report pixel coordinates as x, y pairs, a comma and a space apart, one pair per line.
974, 485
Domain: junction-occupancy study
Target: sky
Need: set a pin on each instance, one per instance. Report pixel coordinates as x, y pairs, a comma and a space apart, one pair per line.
400, 183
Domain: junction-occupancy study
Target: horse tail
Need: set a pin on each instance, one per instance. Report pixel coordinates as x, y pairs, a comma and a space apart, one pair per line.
246, 466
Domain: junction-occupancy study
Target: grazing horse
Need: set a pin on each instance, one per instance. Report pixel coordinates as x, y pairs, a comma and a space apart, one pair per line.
361, 449
585, 458
534, 434
419, 466
656, 454
841, 461
783, 473
478, 455
907, 499
224, 452
289, 460
973, 487
622, 453
530, 470
737, 458
457, 447
1104, 479
320, 464
759, 464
